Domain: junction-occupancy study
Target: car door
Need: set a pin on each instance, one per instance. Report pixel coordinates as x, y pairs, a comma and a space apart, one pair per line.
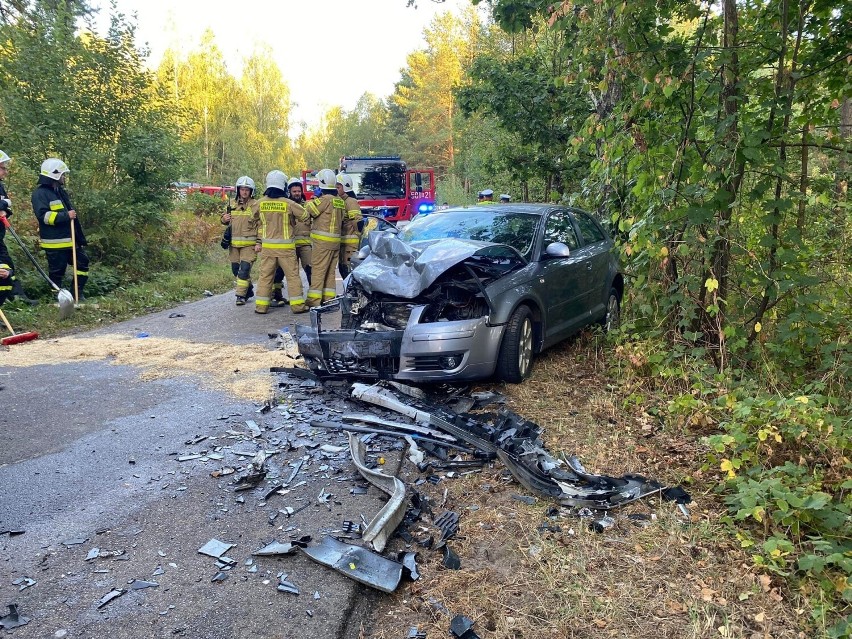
595, 254
560, 279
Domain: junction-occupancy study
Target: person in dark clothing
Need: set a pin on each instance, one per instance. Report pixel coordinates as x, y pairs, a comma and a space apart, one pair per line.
55, 214
7, 269
10, 285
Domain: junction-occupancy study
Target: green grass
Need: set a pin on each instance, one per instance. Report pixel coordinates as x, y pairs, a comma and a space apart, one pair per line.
161, 291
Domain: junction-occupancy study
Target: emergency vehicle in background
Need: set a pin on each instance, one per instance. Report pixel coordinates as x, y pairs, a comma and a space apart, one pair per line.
385, 187
221, 192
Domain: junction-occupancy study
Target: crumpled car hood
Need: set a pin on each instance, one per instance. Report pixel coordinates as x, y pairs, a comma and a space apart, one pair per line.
404, 270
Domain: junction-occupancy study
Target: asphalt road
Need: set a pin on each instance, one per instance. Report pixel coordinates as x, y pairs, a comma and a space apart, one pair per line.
91, 459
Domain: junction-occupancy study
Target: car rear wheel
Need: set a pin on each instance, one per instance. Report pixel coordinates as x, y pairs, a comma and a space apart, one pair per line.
514, 363
612, 319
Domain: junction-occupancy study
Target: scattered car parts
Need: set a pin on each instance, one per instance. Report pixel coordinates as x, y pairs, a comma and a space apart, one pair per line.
518, 444
113, 594
13, 619
379, 530
360, 564
215, 548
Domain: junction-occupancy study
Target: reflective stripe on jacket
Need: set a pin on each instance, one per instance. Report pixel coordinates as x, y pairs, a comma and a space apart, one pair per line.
276, 219
243, 225
349, 229
50, 207
327, 212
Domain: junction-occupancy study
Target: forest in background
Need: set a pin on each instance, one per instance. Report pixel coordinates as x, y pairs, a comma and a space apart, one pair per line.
713, 139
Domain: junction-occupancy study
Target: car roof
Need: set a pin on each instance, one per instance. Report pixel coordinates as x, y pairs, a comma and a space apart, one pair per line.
497, 207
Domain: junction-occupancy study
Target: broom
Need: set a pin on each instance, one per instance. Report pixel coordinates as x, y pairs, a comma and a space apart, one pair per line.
15, 338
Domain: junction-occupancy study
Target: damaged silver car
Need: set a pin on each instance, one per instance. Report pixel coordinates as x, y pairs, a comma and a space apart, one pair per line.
467, 294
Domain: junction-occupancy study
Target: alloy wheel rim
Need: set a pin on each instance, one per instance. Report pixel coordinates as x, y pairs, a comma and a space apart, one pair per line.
612, 313
525, 350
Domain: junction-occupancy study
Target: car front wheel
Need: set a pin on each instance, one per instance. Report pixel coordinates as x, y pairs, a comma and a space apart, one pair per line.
514, 363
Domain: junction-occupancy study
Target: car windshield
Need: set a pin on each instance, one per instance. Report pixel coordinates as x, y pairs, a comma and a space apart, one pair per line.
502, 227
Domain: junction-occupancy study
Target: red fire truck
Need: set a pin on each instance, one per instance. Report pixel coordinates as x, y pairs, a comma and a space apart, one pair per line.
384, 186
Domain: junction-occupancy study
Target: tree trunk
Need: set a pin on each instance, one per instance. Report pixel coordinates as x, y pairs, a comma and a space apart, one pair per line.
729, 97
841, 183
803, 182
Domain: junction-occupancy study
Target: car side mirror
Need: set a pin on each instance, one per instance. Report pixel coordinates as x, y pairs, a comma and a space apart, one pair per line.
557, 249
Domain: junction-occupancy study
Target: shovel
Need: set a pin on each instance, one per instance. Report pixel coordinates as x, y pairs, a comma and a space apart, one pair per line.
63, 296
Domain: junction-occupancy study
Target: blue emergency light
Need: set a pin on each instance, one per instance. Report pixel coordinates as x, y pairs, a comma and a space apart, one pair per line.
426, 208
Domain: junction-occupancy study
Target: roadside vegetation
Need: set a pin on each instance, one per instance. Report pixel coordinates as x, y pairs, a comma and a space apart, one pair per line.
712, 138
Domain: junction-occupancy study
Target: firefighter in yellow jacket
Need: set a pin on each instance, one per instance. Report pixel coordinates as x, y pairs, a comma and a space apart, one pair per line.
276, 216
327, 212
303, 229
350, 237
243, 237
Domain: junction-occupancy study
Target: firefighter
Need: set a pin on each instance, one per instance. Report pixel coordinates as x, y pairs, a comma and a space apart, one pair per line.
55, 214
487, 196
505, 198
240, 219
350, 237
7, 268
303, 229
327, 212
276, 216
10, 285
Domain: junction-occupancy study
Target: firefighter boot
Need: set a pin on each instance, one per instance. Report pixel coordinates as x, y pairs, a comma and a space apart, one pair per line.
19, 294
278, 296
241, 300
250, 291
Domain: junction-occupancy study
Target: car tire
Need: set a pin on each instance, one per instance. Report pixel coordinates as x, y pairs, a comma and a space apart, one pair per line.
612, 319
515, 360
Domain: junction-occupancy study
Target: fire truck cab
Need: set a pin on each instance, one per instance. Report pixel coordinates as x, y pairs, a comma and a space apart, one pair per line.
386, 187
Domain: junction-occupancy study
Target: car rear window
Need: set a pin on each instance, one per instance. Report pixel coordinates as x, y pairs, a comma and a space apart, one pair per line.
589, 230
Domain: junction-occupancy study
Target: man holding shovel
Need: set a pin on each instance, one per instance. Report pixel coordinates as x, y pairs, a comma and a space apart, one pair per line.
61, 234
7, 269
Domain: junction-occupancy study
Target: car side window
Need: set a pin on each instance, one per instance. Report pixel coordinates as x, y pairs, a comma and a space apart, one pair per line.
560, 229
588, 229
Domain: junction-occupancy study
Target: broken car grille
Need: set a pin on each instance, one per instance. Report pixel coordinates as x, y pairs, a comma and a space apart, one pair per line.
380, 366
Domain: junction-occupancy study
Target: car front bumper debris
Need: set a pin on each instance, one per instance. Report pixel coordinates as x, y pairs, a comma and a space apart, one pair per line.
519, 445
436, 351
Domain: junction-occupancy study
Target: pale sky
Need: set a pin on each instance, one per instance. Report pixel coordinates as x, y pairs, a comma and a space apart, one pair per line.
368, 40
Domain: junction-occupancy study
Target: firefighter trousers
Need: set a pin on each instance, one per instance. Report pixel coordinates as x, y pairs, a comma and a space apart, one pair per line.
59, 259
324, 257
288, 262
304, 253
242, 258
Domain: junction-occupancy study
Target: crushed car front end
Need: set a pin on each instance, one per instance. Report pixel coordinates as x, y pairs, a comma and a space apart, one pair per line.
399, 322
451, 350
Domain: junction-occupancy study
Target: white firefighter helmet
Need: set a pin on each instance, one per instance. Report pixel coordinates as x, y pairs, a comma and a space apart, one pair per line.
346, 181
327, 179
4, 158
245, 181
54, 168
276, 180
294, 181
